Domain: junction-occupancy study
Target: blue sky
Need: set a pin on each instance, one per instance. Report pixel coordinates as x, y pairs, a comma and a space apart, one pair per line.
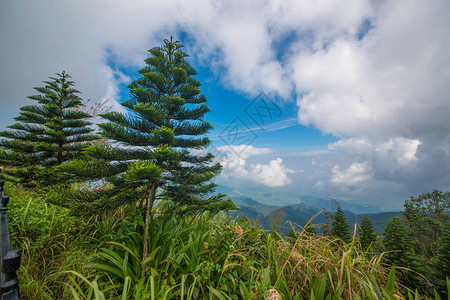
357, 90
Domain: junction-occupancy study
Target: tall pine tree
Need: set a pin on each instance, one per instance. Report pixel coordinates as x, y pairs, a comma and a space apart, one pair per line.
163, 126
400, 252
340, 228
366, 234
46, 135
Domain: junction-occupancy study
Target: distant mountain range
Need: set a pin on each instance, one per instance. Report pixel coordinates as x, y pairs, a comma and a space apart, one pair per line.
299, 214
283, 198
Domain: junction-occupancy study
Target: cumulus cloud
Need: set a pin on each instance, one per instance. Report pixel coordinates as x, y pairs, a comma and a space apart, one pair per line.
350, 181
274, 174
393, 159
243, 151
399, 151
234, 162
354, 174
383, 85
353, 146
233, 159
385, 93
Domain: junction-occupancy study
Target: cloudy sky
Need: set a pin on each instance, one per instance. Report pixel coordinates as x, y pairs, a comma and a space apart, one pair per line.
327, 98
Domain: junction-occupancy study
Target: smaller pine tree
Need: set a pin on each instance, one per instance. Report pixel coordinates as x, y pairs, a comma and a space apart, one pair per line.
399, 249
397, 242
366, 234
340, 228
309, 228
292, 234
46, 135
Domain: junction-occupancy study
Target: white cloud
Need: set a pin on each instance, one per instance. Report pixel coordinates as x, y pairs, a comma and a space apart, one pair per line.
273, 174
354, 174
386, 95
393, 159
234, 159
383, 85
344, 182
398, 150
243, 151
401, 150
353, 146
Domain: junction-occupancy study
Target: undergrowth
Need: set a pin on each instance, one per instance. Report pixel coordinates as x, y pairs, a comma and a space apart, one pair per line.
206, 257
197, 257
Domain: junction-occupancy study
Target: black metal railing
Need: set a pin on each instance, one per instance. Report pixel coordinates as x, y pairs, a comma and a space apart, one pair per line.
10, 259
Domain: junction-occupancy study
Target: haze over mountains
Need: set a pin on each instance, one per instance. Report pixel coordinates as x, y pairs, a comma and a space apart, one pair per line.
300, 210
284, 197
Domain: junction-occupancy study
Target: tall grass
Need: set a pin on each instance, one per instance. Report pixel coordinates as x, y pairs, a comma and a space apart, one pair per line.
219, 258
200, 257
51, 242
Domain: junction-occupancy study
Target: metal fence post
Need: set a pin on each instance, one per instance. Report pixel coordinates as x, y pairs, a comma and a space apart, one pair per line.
10, 259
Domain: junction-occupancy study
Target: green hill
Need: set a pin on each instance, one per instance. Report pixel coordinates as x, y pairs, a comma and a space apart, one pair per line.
299, 214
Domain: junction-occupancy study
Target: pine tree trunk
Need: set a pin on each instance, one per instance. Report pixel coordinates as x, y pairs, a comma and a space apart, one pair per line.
151, 198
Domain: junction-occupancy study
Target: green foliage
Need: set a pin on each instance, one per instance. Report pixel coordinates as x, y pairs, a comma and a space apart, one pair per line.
143, 171
366, 235
309, 228
204, 258
426, 216
339, 227
201, 257
198, 257
46, 135
444, 252
398, 243
177, 247
292, 234
51, 241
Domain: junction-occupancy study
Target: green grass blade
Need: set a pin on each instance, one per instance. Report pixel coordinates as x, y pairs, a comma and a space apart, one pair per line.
126, 286
218, 294
390, 285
